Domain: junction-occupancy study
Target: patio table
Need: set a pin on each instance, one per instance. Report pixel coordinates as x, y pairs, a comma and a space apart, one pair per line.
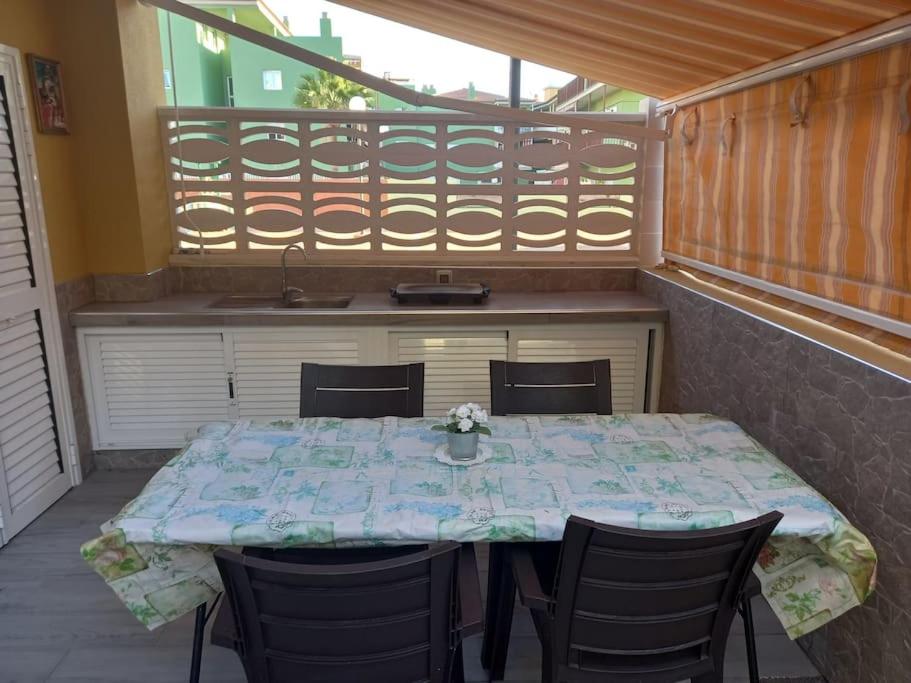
341, 482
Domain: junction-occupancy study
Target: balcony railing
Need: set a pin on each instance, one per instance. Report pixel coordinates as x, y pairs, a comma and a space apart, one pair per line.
399, 187
575, 87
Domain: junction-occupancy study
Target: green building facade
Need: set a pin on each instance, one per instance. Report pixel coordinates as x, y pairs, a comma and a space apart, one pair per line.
212, 69
619, 101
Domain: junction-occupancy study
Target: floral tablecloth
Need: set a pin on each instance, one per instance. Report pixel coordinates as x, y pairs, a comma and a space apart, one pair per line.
326, 481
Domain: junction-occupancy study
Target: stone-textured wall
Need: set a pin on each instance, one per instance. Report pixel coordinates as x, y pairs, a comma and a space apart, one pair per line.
133, 287
198, 279
185, 280
73, 294
844, 426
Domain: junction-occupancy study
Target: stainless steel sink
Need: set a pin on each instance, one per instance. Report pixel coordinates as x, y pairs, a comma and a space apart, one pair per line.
318, 301
247, 301
270, 301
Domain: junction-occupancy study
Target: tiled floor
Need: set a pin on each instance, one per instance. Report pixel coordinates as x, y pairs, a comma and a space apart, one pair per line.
60, 622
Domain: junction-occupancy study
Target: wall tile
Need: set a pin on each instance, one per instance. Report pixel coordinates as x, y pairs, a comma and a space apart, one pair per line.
133, 287
198, 279
841, 424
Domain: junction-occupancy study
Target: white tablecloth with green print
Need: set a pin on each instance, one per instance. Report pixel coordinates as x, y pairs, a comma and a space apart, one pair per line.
327, 481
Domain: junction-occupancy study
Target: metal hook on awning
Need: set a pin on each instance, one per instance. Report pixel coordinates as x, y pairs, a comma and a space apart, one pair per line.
798, 114
903, 114
670, 116
727, 125
686, 137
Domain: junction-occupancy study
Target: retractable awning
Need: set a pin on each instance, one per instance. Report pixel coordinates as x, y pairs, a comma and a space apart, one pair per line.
657, 47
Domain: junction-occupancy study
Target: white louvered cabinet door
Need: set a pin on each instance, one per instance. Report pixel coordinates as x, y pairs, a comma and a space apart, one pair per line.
154, 390
626, 346
267, 365
456, 364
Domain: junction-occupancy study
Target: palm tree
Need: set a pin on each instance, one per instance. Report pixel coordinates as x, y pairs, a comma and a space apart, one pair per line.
325, 90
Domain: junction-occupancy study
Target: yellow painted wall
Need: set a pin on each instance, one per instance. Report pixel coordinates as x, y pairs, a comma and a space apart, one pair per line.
116, 90
29, 25
103, 184
142, 68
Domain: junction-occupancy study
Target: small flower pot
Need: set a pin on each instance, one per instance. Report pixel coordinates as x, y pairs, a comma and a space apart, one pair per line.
463, 446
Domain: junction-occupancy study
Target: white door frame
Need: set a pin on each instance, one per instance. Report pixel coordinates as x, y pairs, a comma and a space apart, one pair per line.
33, 204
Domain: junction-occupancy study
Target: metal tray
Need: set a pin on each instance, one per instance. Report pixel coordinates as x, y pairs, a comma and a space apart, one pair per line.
442, 295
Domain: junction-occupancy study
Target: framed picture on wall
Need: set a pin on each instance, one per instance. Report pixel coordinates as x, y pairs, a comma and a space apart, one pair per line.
47, 88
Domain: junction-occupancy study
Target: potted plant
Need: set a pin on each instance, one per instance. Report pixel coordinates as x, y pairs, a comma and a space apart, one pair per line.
462, 427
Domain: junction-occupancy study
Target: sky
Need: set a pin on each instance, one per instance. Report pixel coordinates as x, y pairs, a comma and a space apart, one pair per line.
405, 52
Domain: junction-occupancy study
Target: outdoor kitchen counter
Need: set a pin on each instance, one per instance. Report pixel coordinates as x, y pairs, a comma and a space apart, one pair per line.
379, 309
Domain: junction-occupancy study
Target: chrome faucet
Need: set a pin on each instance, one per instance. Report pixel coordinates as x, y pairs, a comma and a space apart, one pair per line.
290, 293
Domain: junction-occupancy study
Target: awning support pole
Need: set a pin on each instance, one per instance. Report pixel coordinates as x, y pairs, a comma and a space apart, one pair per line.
515, 82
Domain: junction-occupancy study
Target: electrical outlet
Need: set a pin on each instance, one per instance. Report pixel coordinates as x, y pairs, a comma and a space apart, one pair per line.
444, 277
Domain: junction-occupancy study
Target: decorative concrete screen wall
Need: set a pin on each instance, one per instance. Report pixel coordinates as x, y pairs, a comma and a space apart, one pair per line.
399, 187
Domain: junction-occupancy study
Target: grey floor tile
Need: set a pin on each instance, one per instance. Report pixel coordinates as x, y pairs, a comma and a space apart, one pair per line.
28, 665
144, 664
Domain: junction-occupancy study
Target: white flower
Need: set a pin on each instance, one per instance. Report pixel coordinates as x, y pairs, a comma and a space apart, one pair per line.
472, 406
452, 412
465, 425
479, 415
463, 412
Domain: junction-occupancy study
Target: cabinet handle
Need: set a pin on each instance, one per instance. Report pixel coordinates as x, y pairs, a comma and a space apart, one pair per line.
231, 385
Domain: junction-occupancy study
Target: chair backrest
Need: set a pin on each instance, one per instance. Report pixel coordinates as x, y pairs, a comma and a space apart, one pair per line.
550, 388
362, 390
632, 604
386, 620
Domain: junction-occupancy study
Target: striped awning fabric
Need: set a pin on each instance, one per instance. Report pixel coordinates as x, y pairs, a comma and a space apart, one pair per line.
804, 182
657, 47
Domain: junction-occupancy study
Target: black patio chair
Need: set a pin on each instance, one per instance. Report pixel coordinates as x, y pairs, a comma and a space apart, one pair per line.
550, 388
362, 390
534, 389
385, 614
636, 605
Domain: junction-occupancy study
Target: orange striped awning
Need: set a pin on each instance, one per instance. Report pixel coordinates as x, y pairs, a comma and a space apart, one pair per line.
819, 204
657, 47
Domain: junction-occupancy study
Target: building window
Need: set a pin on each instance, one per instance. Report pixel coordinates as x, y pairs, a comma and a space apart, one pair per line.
168, 82
272, 79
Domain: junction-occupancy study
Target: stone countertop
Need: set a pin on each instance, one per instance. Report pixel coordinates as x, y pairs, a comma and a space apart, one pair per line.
191, 310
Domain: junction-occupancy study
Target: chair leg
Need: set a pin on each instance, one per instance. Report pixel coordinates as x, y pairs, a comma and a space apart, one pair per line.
199, 631
199, 634
749, 632
501, 597
547, 664
457, 668
494, 568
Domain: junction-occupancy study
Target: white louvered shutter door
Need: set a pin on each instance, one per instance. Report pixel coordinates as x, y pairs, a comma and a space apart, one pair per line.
33, 472
626, 347
456, 366
154, 390
267, 366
